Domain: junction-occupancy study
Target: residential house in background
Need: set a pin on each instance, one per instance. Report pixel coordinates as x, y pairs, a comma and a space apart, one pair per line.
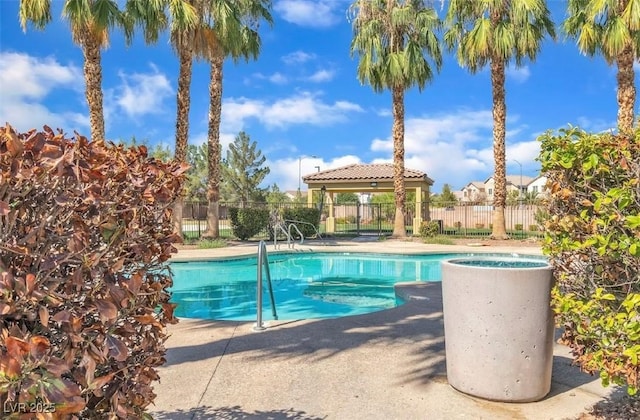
473, 191
537, 186
514, 183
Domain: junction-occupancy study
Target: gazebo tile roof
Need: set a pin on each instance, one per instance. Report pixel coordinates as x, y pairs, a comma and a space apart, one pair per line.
362, 172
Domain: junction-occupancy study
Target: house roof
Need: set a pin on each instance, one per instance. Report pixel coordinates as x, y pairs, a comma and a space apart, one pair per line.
537, 178
515, 180
478, 184
365, 173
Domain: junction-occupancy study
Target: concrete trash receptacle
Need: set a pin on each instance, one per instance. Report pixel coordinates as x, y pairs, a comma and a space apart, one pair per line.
498, 327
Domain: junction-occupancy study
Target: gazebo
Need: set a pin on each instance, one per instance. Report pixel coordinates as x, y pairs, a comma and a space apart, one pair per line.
372, 178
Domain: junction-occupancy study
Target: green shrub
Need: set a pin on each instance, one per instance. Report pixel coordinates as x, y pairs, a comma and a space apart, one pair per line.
248, 222
533, 228
304, 214
84, 280
429, 229
592, 235
518, 226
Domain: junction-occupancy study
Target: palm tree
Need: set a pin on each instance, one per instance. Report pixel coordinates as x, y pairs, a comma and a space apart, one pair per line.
235, 34
392, 38
494, 32
189, 42
90, 22
612, 28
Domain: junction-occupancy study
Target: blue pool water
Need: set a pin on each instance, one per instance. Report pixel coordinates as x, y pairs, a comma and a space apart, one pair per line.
318, 285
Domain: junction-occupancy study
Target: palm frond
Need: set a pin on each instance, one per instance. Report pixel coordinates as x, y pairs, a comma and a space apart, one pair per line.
38, 12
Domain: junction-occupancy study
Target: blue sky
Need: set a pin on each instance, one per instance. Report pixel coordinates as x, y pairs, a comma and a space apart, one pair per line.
301, 98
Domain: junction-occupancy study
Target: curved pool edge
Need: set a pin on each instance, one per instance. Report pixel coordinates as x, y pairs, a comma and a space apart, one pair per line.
389, 247
411, 291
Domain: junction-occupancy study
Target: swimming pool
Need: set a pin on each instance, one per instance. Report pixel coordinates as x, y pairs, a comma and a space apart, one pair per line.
314, 285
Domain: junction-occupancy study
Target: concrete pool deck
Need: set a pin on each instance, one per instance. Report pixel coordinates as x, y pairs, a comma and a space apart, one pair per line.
384, 365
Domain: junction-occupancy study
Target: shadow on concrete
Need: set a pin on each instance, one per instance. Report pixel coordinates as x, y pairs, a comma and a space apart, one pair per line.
233, 413
418, 324
618, 405
566, 376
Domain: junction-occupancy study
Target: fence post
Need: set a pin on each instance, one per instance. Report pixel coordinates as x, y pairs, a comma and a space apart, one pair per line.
358, 218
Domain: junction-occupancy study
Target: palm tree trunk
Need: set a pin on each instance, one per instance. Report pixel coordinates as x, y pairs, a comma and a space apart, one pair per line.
626, 90
93, 84
499, 230
399, 230
213, 163
182, 122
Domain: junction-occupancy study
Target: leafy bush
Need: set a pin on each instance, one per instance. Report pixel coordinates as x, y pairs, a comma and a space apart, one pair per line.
429, 229
248, 222
86, 233
304, 214
533, 228
593, 240
518, 226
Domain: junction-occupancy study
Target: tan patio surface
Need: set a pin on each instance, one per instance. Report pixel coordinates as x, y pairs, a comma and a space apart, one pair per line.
384, 365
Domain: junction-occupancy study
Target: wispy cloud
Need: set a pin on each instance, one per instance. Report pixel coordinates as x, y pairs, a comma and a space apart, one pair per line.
464, 138
301, 108
276, 78
298, 57
143, 93
518, 74
311, 13
28, 80
321, 76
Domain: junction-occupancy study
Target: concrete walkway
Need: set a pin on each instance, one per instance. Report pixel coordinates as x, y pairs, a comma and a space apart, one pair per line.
385, 365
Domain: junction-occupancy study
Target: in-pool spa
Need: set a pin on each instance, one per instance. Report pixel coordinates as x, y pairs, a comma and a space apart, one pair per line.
314, 285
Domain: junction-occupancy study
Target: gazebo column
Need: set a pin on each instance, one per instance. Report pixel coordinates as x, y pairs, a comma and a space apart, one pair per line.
417, 218
330, 224
310, 197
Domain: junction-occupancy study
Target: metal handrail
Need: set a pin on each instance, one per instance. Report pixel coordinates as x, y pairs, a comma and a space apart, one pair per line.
291, 237
305, 223
263, 260
275, 235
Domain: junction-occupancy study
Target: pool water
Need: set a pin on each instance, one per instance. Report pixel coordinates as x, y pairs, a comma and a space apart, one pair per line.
317, 285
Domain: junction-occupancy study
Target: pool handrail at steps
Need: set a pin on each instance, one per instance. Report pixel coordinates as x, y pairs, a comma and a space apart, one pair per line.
318, 235
263, 261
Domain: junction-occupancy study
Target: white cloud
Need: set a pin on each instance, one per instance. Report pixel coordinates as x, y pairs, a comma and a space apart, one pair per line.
302, 108
455, 148
312, 13
596, 125
278, 78
298, 57
143, 93
27, 80
321, 76
518, 74
383, 112
284, 172
275, 78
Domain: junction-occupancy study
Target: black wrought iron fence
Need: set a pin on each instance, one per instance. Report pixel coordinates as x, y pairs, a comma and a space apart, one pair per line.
521, 220
524, 220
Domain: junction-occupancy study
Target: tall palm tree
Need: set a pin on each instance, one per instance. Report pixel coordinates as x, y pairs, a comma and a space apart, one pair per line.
90, 22
235, 34
189, 42
495, 32
393, 39
611, 28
